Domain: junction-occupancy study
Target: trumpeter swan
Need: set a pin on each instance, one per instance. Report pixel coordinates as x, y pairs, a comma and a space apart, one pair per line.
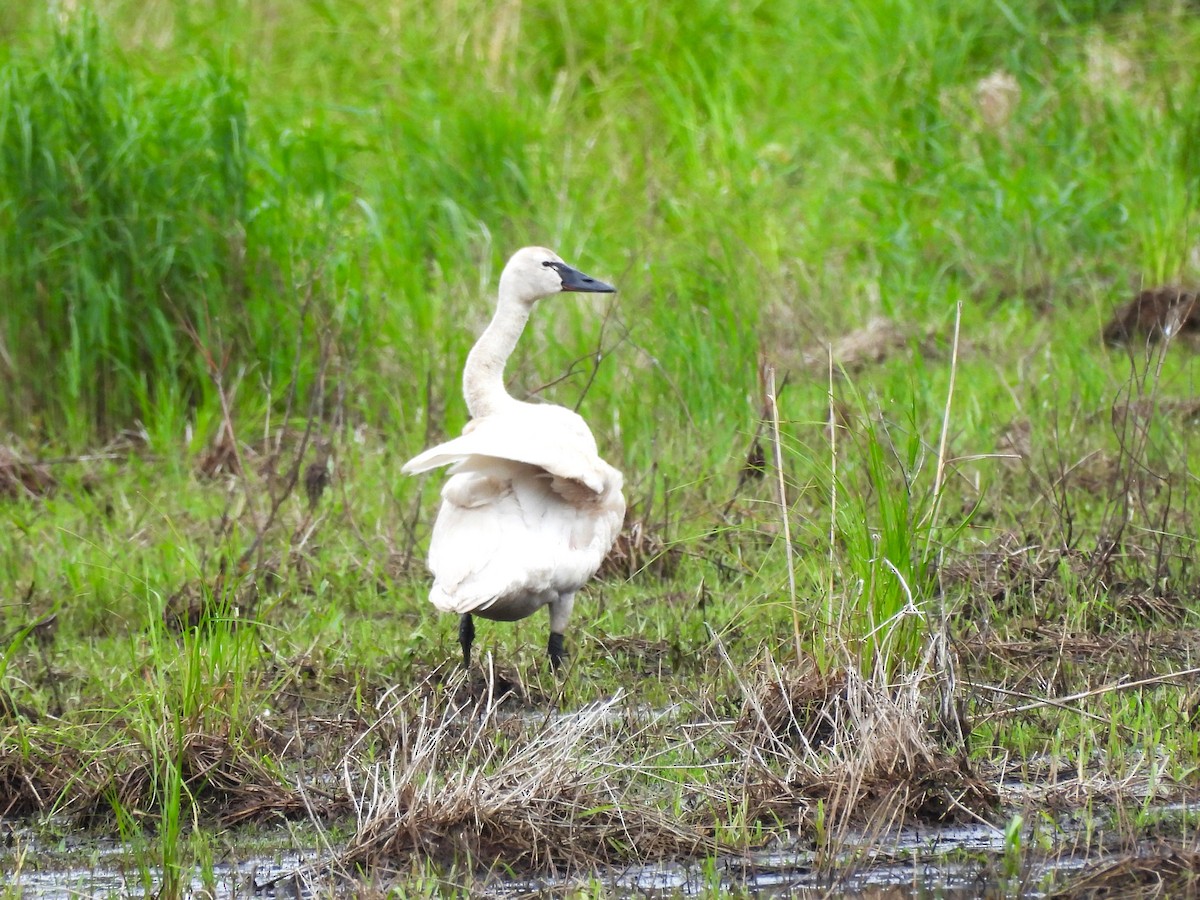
531, 509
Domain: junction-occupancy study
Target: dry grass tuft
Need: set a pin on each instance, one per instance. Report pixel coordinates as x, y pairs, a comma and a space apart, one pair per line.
863, 749
1160, 870
220, 457
456, 785
233, 784
873, 343
1009, 567
996, 99
637, 655
497, 683
30, 778
1138, 415
638, 550
198, 602
1011, 570
221, 777
792, 706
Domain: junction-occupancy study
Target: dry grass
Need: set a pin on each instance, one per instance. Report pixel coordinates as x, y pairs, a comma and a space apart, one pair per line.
640, 549
1012, 576
873, 343
863, 751
225, 780
456, 786
1160, 870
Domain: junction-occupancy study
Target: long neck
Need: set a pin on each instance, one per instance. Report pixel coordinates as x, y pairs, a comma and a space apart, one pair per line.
483, 375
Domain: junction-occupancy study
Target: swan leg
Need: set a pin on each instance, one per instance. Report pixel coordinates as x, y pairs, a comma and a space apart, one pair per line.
560, 613
466, 636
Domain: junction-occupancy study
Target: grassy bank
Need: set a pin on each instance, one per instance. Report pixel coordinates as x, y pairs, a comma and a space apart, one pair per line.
244, 250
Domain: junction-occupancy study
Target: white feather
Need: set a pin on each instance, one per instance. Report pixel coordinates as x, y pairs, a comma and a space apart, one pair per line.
506, 542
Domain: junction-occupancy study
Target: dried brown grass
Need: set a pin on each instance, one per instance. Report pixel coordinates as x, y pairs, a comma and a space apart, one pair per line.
879, 339
455, 785
1006, 574
640, 549
226, 781
864, 750
1161, 870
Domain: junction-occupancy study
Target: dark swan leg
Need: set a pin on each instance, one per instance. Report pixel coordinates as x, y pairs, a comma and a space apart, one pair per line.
466, 636
557, 653
560, 612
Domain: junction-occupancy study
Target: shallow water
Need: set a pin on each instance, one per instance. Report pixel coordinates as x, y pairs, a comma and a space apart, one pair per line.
58, 872
944, 862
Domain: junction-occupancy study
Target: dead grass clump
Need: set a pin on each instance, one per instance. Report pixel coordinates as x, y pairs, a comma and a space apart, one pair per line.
1154, 314
457, 786
876, 342
31, 776
233, 784
19, 478
226, 455
38, 773
1015, 442
873, 343
636, 654
220, 457
1114, 583
640, 549
1140, 602
498, 683
1011, 566
792, 706
1138, 415
199, 602
996, 99
219, 776
1160, 870
875, 763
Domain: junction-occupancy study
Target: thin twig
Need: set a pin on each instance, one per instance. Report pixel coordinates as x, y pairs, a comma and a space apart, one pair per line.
773, 407
1009, 692
599, 354
833, 494
1113, 688
939, 476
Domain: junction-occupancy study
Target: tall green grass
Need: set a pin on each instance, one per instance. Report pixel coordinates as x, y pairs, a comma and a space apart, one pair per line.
723, 162
121, 221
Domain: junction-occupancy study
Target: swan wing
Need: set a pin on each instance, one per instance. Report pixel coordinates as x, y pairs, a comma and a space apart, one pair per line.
550, 438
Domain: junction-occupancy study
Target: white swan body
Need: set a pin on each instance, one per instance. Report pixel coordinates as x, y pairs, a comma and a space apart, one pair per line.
531, 510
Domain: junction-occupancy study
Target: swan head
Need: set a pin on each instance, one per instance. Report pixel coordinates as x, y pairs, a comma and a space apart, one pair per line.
535, 272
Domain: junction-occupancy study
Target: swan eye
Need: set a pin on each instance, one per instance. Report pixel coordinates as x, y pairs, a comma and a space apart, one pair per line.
546, 264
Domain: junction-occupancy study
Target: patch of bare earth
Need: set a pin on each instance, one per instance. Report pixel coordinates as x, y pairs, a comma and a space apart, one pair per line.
1155, 313
20, 478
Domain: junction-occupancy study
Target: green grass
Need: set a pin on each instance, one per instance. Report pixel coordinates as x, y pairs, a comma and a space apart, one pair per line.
297, 214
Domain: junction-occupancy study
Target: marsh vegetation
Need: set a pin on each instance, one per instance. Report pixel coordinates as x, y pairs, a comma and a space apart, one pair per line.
912, 516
